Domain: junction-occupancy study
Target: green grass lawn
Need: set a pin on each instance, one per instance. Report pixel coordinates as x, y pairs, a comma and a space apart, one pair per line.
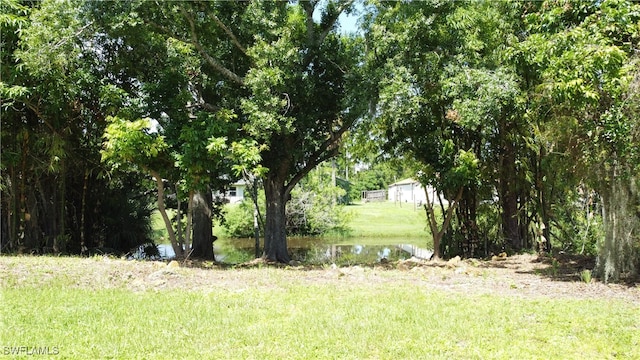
395, 321
271, 313
388, 220
375, 222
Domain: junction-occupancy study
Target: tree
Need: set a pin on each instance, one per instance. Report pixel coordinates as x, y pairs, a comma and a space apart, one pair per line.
586, 54
314, 209
460, 77
52, 120
167, 87
129, 143
301, 103
449, 100
289, 79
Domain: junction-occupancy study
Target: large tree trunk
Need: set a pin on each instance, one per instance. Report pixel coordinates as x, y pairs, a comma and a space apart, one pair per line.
510, 223
202, 226
617, 251
275, 242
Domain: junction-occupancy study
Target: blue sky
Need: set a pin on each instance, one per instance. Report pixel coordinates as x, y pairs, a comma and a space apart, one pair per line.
348, 22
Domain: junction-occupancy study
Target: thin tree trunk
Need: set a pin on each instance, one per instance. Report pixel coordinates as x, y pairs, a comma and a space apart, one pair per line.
83, 209
433, 225
179, 230
509, 198
13, 210
187, 235
256, 231
546, 221
163, 212
256, 214
60, 239
22, 220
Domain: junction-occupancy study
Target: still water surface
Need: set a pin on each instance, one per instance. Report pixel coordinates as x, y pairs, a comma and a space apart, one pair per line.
319, 250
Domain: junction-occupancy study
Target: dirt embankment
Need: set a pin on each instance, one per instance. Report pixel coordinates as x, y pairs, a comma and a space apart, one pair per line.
527, 276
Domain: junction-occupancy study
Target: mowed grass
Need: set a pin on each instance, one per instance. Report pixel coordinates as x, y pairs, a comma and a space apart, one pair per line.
373, 222
275, 313
368, 220
388, 220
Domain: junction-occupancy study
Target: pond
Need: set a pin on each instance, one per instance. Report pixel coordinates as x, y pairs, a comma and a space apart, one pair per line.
321, 250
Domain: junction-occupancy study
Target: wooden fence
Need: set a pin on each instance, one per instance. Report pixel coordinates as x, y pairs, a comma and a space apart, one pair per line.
374, 195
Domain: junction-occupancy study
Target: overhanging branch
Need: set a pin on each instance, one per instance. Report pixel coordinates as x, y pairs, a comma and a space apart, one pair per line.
308, 7
331, 21
229, 33
314, 40
215, 64
327, 150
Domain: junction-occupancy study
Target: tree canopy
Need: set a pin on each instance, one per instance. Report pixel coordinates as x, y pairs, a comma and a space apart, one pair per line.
522, 116
515, 104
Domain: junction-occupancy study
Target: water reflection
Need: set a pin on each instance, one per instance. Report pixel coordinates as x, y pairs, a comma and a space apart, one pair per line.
315, 251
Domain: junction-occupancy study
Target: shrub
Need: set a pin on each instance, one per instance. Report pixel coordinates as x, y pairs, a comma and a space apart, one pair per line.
238, 221
313, 210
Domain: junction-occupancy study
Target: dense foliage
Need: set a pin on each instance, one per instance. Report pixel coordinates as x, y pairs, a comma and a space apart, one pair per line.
56, 196
522, 115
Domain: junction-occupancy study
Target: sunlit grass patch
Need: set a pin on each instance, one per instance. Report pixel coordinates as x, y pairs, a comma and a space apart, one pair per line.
282, 315
388, 219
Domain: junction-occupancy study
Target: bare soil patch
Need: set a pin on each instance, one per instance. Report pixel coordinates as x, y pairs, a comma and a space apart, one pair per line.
528, 276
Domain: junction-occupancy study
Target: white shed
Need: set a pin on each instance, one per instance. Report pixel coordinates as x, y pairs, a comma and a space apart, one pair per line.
410, 191
235, 194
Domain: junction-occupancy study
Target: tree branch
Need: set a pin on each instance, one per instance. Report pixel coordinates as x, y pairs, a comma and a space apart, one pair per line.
168, 32
65, 39
229, 33
315, 40
204, 106
210, 60
327, 150
332, 19
308, 7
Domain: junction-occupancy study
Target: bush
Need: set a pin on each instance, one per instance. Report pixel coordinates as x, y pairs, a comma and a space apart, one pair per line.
578, 227
312, 214
238, 221
312, 211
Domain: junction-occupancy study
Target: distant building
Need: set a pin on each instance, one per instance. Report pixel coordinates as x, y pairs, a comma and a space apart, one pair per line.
411, 191
374, 195
235, 193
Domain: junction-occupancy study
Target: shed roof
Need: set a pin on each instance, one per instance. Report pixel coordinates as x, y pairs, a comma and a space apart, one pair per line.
404, 182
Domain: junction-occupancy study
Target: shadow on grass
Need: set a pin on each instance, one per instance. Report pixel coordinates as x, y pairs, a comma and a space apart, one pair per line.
559, 267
